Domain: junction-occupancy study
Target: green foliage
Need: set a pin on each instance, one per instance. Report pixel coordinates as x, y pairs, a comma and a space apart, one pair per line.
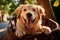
30, 2
8, 6
13, 6
4, 4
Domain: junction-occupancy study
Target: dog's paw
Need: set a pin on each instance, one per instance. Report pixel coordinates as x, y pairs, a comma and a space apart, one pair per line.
46, 30
20, 33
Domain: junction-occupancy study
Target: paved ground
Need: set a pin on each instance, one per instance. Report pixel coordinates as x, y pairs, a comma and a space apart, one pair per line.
3, 28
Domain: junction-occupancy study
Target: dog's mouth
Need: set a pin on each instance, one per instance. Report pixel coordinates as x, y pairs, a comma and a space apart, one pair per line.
29, 22
29, 19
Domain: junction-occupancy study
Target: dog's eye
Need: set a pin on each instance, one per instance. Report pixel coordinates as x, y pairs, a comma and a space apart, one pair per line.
24, 9
34, 10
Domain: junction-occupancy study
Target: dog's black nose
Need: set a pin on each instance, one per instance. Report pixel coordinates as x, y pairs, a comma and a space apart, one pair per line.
29, 15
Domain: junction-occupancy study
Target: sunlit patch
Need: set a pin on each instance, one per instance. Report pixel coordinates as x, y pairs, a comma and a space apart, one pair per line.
2, 30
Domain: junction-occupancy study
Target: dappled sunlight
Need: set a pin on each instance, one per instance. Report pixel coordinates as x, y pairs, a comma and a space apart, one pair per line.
5, 17
2, 30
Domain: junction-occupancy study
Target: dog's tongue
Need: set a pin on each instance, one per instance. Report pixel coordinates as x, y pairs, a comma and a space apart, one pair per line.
29, 23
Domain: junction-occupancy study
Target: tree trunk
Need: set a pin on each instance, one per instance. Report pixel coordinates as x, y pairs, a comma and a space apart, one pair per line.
2, 16
48, 9
22, 1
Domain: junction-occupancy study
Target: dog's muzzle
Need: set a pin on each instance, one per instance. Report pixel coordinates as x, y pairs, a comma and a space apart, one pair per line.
29, 15
29, 21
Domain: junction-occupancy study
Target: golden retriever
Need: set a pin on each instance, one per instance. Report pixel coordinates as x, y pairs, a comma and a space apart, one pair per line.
29, 20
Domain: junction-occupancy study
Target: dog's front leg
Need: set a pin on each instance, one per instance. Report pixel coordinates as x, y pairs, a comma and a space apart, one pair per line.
19, 32
46, 30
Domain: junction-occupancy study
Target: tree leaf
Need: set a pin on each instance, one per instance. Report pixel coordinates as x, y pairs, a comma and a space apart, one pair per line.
56, 3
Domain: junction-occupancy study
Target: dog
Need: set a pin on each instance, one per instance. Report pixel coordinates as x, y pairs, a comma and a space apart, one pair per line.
29, 20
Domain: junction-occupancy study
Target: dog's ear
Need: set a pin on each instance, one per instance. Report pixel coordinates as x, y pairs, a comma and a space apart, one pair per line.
41, 11
18, 10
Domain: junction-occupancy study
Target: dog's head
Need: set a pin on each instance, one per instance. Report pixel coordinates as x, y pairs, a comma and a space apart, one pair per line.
30, 14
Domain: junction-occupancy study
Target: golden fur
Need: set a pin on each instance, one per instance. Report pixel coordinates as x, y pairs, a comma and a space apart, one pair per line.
37, 13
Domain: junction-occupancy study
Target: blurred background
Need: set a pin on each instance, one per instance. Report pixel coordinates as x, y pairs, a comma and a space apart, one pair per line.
7, 8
